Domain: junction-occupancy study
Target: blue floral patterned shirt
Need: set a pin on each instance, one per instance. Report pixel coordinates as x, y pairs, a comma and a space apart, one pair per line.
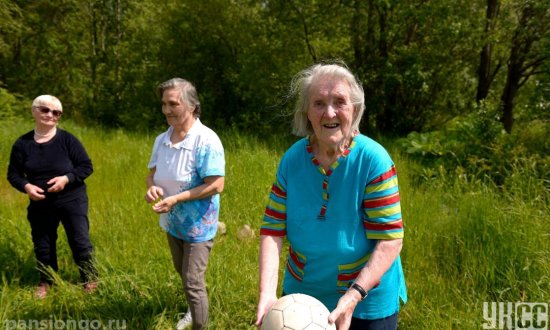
183, 166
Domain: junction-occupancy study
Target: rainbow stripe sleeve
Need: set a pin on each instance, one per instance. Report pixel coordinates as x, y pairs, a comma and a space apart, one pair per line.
274, 223
382, 208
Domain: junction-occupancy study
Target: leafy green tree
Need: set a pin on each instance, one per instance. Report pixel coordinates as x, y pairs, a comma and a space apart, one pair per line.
241, 55
528, 52
123, 61
10, 25
415, 59
422, 63
45, 56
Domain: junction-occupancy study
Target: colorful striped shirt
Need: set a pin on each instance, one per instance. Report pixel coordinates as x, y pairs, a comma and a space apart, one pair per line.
333, 219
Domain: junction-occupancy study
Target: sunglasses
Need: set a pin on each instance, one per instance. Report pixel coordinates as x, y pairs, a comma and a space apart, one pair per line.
45, 110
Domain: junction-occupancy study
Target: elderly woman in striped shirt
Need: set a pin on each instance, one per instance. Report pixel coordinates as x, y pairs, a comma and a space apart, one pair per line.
336, 200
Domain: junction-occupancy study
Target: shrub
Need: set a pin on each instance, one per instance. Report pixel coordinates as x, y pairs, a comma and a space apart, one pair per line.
12, 105
474, 147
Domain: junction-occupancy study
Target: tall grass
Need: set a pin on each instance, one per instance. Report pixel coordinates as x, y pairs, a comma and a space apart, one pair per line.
465, 244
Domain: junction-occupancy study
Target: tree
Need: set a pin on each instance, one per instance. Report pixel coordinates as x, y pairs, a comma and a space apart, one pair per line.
486, 71
10, 25
527, 53
414, 58
45, 53
421, 62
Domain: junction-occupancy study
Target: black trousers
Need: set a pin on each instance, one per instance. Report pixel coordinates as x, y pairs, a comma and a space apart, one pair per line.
387, 323
44, 218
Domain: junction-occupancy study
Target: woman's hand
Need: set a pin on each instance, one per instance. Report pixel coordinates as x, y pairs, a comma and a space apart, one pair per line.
384, 254
164, 205
153, 193
344, 310
270, 252
58, 183
265, 303
35, 193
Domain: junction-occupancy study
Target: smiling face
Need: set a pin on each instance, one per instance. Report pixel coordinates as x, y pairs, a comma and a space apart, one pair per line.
178, 114
330, 111
46, 114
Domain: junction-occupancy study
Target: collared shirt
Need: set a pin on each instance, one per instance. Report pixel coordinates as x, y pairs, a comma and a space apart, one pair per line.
183, 166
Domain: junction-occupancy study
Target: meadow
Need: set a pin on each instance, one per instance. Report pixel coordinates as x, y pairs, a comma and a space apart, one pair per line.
466, 243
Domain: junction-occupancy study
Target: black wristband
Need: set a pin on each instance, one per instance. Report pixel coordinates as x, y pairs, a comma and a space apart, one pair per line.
359, 289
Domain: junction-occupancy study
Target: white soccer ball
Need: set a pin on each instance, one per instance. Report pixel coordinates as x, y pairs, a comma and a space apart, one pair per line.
297, 312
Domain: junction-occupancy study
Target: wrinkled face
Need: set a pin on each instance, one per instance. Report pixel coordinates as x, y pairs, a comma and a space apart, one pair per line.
177, 113
46, 114
330, 110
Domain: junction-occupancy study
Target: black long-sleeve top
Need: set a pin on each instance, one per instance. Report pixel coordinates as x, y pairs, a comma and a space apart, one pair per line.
37, 163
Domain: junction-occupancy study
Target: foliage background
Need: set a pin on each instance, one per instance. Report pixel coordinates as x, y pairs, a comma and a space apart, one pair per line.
422, 63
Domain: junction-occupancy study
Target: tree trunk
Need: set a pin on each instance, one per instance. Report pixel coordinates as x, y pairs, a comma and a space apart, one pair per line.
365, 52
484, 82
522, 62
356, 35
485, 77
510, 89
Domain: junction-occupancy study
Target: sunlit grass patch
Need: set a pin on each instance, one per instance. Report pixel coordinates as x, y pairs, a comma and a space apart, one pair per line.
464, 243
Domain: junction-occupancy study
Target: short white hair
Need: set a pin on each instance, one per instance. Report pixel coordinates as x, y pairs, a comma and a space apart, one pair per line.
49, 100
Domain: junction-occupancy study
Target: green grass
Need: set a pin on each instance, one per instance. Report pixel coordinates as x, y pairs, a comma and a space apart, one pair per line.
465, 244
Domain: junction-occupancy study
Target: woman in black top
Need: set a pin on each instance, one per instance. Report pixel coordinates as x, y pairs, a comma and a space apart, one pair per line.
50, 165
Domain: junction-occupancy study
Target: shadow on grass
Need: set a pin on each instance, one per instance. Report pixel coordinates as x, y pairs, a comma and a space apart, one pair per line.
122, 301
18, 267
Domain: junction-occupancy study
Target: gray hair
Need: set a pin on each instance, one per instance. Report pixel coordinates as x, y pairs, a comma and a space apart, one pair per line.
188, 93
48, 100
300, 87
